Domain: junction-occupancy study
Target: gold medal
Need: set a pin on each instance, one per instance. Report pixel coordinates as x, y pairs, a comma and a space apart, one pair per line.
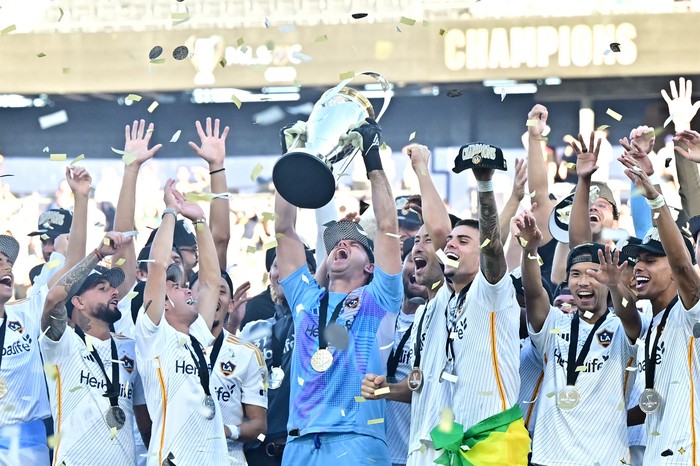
322, 360
3, 388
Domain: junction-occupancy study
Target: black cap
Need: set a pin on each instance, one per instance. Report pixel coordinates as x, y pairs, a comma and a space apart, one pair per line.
652, 244
137, 301
114, 276
479, 155
516, 276
407, 247
271, 253
620, 245
585, 252
694, 225
224, 274
345, 230
53, 223
183, 235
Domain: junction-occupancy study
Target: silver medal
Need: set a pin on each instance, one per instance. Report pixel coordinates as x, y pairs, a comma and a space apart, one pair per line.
115, 417
209, 407
568, 397
415, 379
649, 401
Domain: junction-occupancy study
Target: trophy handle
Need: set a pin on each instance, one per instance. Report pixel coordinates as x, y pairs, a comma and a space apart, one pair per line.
329, 94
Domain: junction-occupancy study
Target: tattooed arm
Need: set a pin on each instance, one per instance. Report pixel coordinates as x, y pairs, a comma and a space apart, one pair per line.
55, 316
492, 259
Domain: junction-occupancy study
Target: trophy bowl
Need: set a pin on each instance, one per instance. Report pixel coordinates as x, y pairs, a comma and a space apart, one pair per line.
306, 176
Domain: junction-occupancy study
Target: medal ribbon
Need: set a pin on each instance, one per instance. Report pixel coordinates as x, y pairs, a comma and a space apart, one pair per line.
216, 349
417, 342
572, 361
201, 363
279, 327
650, 360
449, 344
322, 315
393, 361
3, 328
113, 386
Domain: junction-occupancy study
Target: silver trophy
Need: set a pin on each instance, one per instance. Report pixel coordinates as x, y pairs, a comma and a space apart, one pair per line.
306, 176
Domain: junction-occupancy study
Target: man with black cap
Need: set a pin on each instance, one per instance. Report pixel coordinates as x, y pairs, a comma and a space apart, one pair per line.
92, 378
590, 377
185, 242
326, 423
665, 275
275, 339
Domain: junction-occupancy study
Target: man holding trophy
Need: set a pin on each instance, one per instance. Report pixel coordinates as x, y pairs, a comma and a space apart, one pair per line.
336, 327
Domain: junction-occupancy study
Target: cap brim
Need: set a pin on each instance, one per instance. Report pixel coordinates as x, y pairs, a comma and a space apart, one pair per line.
558, 233
634, 250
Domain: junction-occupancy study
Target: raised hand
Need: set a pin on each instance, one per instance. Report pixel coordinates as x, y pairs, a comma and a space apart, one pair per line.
539, 112
524, 228
137, 139
635, 150
680, 107
168, 195
79, 180
645, 137
520, 179
419, 155
351, 217
640, 179
586, 161
112, 242
691, 140
609, 272
213, 144
240, 296
189, 210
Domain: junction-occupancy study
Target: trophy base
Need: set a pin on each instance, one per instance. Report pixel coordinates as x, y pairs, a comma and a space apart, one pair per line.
303, 180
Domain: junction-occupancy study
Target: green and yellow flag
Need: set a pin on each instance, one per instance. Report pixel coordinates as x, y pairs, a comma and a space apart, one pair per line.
501, 439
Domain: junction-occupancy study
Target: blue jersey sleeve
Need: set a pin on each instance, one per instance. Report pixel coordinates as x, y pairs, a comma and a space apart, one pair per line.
387, 290
301, 290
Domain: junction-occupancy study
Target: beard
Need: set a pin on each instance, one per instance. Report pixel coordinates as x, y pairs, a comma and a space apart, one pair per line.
106, 314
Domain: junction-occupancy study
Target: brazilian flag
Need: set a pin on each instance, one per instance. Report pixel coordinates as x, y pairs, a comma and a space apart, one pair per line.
501, 439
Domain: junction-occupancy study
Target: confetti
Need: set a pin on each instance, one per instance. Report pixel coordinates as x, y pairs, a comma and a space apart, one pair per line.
602, 127
581, 369
631, 368
624, 302
236, 101
449, 377
532, 122
346, 75
152, 107
397, 29
256, 172
615, 47
359, 399
128, 158
261, 437
445, 260
179, 18
486, 242
550, 394
176, 136
77, 159
51, 370
269, 216
270, 244
342, 412
532, 194
382, 391
40, 55
132, 294
279, 235
668, 120
555, 331
407, 21
322, 38
454, 93
655, 433
76, 388
436, 284
53, 119
375, 421
60, 10
386, 347
412, 136
57, 157
53, 440
250, 249
447, 419
155, 52
613, 114
490, 393
359, 15
8, 29
223, 63
52, 264
133, 98
393, 235
522, 241
570, 165
66, 70
441, 32
587, 315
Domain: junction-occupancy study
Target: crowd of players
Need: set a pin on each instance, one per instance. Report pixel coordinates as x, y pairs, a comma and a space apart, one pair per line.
416, 338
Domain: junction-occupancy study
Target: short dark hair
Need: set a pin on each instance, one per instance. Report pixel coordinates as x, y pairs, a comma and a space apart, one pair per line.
467, 222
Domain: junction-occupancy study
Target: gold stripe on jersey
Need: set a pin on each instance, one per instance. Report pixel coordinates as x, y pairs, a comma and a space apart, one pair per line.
237, 341
59, 414
627, 375
691, 347
494, 360
164, 400
533, 398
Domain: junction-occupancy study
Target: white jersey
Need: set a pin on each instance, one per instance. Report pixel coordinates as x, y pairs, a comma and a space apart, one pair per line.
238, 377
21, 367
174, 396
673, 431
125, 325
78, 402
428, 403
531, 378
398, 414
566, 437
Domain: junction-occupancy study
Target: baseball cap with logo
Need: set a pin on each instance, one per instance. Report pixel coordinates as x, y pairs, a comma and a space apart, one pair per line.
183, 235
54, 223
346, 230
561, 214
652, 245
479, 155
114, 276
9, 247
584, 252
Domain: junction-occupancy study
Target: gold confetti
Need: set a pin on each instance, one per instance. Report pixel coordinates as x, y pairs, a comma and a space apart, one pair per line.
620, 406
52, 264
375, 421
412, 136
486, 242
624, 302
60, 10
40, 55
393, 235
250, 249
668, 120
436, 284
656, 215
128, 158
347, 75
441, 32
531, 122
180, 17
223, 63
132, 294
77, 159
522, 241
105, 241
57, 157
236, 101
581, 369
322, 38
555, 331
158, 61
199, 226
447, 419
133, 98
269, 216
382, 391
359, 399
570, 165
76, 388
51, 371
66, 70
279, 235
602, 127
407, 21
53, 440
112, 433
256, 172
613, 114
490, 393
121, 261
445, 260
550, 394
587, 315
532, 194
152, 107
655, 433
8, 29
270, 244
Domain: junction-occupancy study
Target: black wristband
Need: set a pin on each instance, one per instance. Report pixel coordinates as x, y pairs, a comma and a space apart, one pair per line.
372, 159
217, 171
